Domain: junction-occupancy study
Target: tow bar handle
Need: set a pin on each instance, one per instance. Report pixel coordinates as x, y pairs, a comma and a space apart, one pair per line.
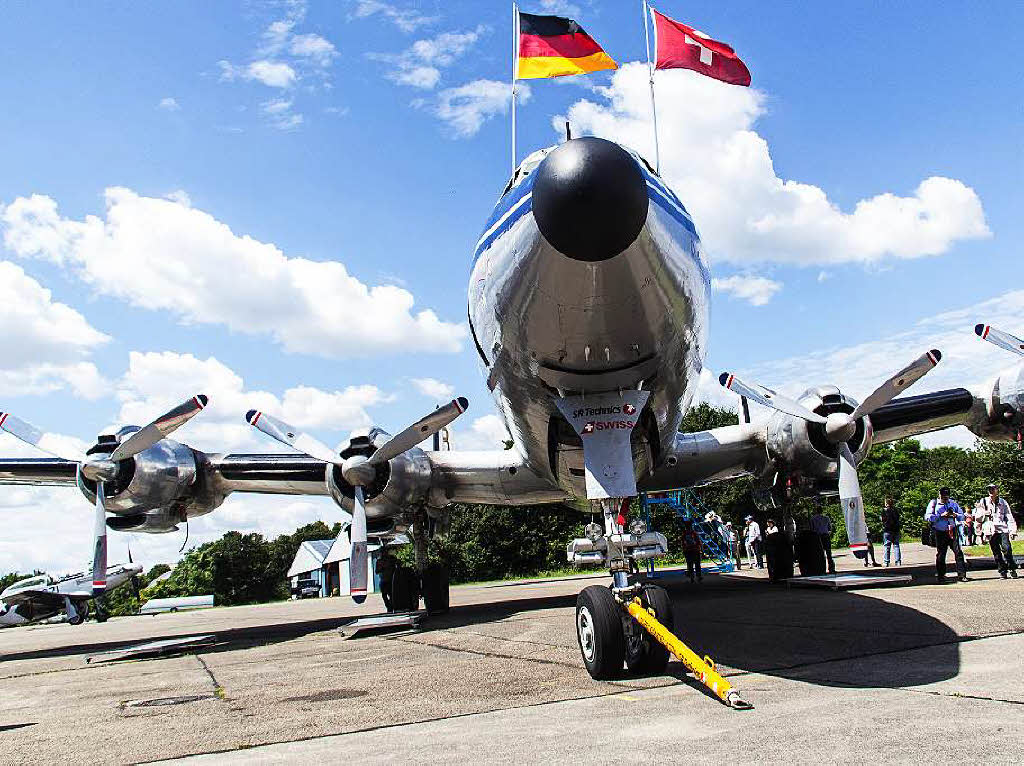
703, 669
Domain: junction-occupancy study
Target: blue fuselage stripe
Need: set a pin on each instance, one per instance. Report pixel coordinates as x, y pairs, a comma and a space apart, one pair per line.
512, 202
515, 205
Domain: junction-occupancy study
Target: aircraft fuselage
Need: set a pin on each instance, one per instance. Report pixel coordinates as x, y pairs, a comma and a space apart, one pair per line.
589, 278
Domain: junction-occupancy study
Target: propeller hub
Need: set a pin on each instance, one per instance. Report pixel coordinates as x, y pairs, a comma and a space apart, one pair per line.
99, 469
839, 427
358, 472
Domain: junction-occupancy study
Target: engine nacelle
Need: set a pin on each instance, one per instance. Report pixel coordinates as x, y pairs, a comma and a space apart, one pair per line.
800, 456
998, 414
162, 476
402, 483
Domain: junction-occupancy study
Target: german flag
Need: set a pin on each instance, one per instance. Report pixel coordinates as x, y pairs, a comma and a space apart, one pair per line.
552, 46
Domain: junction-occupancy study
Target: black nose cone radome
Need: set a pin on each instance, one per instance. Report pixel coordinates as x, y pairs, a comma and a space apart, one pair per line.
590, 199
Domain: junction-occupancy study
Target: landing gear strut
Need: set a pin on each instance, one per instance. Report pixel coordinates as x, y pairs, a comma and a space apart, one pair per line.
433, 578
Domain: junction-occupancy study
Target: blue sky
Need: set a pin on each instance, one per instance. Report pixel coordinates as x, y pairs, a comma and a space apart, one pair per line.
374, 135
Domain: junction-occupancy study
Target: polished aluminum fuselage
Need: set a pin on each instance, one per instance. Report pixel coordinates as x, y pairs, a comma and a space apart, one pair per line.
546, 325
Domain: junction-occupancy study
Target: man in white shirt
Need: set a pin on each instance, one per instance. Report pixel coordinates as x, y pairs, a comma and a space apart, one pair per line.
1004, 529
753, 540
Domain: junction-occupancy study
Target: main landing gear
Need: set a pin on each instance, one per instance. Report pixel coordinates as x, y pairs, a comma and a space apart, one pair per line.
429, 580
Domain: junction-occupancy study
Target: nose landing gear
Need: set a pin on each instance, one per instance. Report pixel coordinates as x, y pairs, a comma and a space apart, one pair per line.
631, 622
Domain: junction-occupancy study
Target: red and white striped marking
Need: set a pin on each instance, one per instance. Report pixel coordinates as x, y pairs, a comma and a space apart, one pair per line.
933, 360
3, 417
858, 546
255, 418
728, 383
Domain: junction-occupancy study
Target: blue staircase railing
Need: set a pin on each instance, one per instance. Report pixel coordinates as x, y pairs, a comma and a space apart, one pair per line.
689, 507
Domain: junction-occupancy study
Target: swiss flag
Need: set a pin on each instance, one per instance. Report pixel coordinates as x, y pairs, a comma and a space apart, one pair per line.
683, 47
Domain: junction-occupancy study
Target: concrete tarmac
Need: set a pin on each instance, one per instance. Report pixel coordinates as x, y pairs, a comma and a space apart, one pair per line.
890, 673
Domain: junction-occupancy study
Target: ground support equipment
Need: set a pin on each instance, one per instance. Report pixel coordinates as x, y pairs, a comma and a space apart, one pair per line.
703, 669
689, 507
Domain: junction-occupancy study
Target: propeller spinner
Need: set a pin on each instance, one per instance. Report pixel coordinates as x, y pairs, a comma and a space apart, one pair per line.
839, 428
358, 470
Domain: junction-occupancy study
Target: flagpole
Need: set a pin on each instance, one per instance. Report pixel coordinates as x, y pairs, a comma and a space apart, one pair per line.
515, 64
650, 74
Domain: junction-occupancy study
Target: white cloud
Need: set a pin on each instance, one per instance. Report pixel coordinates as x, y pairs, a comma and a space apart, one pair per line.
757, 290
172, 257
435, 389
169, 104
723, 171
405, 19
485, 433
315, 48
273, 74
420, 64
279, 113
47, 342
467, 107
156, 382
560, 7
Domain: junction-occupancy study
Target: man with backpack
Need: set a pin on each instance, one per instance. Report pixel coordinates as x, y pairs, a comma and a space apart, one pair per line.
1004, 528
944, 516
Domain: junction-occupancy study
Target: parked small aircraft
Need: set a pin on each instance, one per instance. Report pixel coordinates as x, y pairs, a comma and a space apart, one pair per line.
39, 598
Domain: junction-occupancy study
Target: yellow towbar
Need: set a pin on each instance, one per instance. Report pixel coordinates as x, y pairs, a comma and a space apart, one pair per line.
702, 668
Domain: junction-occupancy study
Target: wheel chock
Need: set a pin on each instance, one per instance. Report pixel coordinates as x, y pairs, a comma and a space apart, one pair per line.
703, 669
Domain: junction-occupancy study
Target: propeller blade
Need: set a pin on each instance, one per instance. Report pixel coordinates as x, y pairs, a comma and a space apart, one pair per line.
286, 434
99, 557
767, 398
160, 428
909, 375
29, 434
422, 429
852, 502
357, 574
999, 338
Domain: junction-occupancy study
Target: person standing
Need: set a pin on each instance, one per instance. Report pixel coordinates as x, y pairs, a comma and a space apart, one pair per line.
821, 525
692, 551
752, 536
969, 526
386, 566
944, 515
891, 530
1004, 529
734, 544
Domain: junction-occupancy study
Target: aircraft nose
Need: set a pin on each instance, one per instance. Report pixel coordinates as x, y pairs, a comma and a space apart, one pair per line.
590, 199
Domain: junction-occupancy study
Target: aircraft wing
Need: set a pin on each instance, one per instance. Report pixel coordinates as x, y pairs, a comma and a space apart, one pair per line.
915, 415
44, 599
38, 471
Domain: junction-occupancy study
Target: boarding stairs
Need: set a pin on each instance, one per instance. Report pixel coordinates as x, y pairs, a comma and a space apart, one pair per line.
689, 507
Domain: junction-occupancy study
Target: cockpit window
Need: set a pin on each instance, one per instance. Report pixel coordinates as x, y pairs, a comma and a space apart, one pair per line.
526, 167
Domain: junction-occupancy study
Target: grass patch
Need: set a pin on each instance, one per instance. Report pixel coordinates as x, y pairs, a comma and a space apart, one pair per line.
985, 550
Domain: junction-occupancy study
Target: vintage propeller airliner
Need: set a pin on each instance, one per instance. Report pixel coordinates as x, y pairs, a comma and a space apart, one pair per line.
588, 309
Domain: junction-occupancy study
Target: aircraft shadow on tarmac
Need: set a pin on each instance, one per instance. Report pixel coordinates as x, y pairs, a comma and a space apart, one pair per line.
831, 638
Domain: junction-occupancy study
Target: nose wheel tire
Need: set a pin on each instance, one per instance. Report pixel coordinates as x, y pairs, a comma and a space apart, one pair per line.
644, 655
599, 632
